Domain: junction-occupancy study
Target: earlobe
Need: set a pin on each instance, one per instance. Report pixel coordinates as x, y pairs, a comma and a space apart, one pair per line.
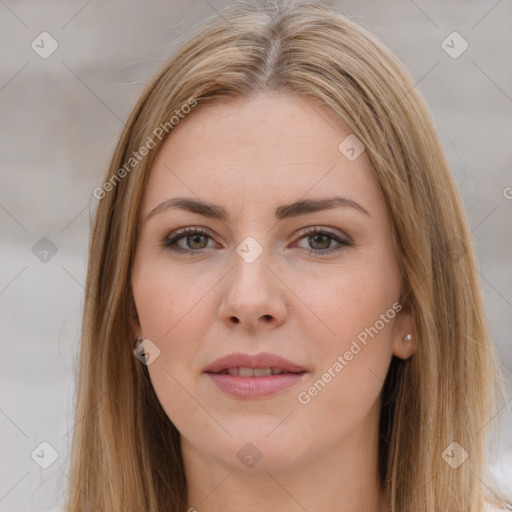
404, 346
404, 339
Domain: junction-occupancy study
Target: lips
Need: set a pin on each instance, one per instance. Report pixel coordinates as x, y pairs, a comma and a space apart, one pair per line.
250, 377
259, 365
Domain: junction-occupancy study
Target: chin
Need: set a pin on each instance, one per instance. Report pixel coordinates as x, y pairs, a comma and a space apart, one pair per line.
254, 449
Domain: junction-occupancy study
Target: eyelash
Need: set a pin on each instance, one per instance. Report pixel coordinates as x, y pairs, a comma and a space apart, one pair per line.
171, 239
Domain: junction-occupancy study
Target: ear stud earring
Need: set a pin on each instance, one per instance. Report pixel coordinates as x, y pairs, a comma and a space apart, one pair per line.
407, 338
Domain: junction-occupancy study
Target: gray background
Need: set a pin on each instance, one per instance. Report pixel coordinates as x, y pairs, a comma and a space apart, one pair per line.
61, 116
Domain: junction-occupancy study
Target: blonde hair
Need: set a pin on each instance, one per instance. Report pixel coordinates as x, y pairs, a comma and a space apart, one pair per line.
126, 452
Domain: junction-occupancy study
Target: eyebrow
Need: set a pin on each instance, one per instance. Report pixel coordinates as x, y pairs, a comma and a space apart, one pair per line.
295, 209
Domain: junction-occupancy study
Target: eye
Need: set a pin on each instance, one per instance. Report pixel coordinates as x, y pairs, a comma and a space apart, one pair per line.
195, 239
320, 240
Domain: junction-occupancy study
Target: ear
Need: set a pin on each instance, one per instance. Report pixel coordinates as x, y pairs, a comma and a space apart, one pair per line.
402, 346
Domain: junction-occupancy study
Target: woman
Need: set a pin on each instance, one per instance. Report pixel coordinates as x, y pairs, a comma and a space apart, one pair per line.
324, 345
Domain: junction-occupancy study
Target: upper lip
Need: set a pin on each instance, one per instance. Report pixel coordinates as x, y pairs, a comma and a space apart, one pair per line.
262, 360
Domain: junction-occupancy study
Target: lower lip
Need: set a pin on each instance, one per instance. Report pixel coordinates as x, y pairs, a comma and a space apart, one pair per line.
253, 387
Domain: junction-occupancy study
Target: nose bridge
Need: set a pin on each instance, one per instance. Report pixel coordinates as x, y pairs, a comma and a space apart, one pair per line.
250, 249
250, 261
251, 290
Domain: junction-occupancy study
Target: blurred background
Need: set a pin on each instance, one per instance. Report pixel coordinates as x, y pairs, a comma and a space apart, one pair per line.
70, 74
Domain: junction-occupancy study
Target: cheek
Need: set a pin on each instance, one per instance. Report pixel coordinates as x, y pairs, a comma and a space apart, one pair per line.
344, 392
175, 313
184, 407
358, 312
167, 299
348, 303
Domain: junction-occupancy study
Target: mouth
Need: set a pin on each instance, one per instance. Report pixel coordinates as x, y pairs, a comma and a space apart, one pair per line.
253, 376
244, 371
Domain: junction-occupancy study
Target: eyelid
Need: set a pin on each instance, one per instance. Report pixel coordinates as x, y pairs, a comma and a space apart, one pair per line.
181, 233
303, 231
328, 230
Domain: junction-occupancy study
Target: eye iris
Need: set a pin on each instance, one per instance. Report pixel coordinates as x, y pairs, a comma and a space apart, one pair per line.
195, 238
319, 236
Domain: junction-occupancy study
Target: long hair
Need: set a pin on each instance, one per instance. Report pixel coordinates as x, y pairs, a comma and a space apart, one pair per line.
126, 452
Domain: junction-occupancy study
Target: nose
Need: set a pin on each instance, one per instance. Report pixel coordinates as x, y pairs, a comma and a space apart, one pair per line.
253, 295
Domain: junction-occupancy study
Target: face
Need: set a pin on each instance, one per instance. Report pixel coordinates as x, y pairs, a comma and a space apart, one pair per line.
316, 284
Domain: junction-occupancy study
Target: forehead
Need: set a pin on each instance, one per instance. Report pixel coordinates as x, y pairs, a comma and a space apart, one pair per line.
268, 149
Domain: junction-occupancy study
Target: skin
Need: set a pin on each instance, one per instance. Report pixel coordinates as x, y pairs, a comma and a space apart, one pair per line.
251, 156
